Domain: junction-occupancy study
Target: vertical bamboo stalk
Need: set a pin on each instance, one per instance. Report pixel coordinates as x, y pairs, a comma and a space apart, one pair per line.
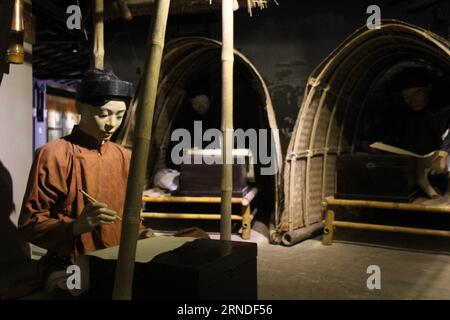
144, 119
328, 230
99, 42
227, 117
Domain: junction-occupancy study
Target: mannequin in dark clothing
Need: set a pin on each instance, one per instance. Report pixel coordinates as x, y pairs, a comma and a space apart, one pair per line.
199, 108
413, 122
13, 249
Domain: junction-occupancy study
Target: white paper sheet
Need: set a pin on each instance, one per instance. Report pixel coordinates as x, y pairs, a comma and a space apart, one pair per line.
146, 249
385, 147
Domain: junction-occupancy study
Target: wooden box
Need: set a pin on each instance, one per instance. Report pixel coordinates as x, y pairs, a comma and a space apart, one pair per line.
202, 269
376, 177
205, 180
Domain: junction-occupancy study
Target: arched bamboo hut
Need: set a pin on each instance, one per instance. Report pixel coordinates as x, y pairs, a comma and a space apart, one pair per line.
330, 118
195, 59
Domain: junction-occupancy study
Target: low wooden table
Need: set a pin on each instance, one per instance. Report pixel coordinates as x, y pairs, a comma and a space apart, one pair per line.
198, 270
246, 217
330, 204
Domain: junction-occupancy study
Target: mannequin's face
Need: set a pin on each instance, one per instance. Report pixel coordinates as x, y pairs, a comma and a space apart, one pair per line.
101, 122
416, 98
201, 104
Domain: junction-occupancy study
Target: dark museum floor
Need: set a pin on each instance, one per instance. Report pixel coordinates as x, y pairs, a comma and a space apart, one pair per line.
412, 267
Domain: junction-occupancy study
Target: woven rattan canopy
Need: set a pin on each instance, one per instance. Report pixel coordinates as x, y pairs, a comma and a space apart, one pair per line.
190, 59
329, 120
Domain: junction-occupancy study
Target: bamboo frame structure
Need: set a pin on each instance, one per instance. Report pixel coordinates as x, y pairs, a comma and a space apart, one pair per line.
227, 117
133, 201
246, 214
99, 38
246, 217
331, 114
330, 224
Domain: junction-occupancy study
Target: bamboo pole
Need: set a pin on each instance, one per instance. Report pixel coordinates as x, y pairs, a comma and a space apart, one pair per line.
194, 216
188, 200
442, 208
99, 42
227, 117
141, 145
246, 222
378, 227
328, 230
248, 198
290, 238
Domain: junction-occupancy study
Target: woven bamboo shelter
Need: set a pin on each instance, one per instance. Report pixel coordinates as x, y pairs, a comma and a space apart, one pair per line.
185, 61
329, 122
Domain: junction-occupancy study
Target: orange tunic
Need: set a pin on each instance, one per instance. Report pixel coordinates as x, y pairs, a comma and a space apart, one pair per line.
53, 201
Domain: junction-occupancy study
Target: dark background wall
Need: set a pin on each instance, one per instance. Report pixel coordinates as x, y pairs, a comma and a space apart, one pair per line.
284, 42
